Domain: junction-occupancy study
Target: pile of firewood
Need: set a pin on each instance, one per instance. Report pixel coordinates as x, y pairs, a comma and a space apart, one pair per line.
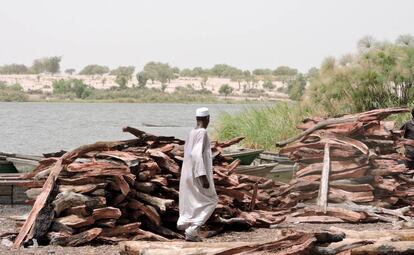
330, 241
349, 170
115, 191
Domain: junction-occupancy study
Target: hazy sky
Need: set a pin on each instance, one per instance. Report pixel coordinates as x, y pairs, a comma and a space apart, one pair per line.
189, 33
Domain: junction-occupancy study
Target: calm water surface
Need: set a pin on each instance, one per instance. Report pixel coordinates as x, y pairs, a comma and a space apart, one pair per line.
35, 128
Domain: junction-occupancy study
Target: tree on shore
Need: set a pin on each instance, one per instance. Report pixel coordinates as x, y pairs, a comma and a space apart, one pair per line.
72, 87
225, 90
123, 75
262, 71
14, 69
94, 69
46, 65
285, 73
142, 79
161, 72
70, 71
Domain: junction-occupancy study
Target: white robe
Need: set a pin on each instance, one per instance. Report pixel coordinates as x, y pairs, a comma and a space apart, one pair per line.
196, 204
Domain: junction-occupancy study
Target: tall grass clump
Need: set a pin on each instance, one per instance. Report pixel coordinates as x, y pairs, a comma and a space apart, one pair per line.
263, 127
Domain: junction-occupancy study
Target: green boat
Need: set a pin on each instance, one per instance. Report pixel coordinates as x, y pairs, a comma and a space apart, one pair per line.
14, 163
246, 156
7, 167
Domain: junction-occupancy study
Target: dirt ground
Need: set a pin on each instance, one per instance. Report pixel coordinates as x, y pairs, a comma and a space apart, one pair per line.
7, 224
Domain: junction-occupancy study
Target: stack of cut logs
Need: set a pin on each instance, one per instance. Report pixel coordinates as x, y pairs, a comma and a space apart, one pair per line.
352, 163
115, 191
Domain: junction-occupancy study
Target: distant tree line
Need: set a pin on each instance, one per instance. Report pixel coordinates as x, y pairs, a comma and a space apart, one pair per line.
164, 73
43, 65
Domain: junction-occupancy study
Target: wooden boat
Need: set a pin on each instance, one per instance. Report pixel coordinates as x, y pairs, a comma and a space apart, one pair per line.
7, 167
282, 173
12, 188
23, 165
258, 170
246, 156
275, 171
13, 163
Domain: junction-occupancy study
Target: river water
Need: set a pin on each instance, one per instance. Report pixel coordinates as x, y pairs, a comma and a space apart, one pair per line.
35, 128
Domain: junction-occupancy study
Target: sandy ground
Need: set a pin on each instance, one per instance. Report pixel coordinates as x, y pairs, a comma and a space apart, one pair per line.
255, 235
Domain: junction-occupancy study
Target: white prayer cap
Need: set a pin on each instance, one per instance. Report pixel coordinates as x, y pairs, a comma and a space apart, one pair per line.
202, 112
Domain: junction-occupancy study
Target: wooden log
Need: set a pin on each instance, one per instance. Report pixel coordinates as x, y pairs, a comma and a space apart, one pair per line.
57, 238
81, 210
397, 235
114, 170
296, 243
345, 119
39, 204
81, 188
118, 199
150, 166
81, 180
146, 187
176, 248
253, 200
165, 162
322, 200
373, 211
239, 195
45, 217
170, 192
366, 196
98, 193
128, 229
314, 219
145, 175
106, 213
106, 223
160, 180
336, 248
33, 193
143, 235
59, 227
127, 158
138, 133
160, 203
69, 157
385, 248
122, 184
153, 216
113, 240
344, 214
70, 199
75, 221
228, 143
161, 230
80, 167
232, 167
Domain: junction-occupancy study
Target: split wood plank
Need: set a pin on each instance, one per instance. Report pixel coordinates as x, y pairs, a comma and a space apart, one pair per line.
322, 201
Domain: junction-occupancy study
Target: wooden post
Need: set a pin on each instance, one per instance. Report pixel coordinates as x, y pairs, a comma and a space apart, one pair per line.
322, 201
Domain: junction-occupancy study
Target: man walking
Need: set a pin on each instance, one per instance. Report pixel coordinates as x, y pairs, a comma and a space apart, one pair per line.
197, 195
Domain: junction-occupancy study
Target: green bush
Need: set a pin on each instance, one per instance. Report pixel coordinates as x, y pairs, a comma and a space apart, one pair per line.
72, 87
12, 93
